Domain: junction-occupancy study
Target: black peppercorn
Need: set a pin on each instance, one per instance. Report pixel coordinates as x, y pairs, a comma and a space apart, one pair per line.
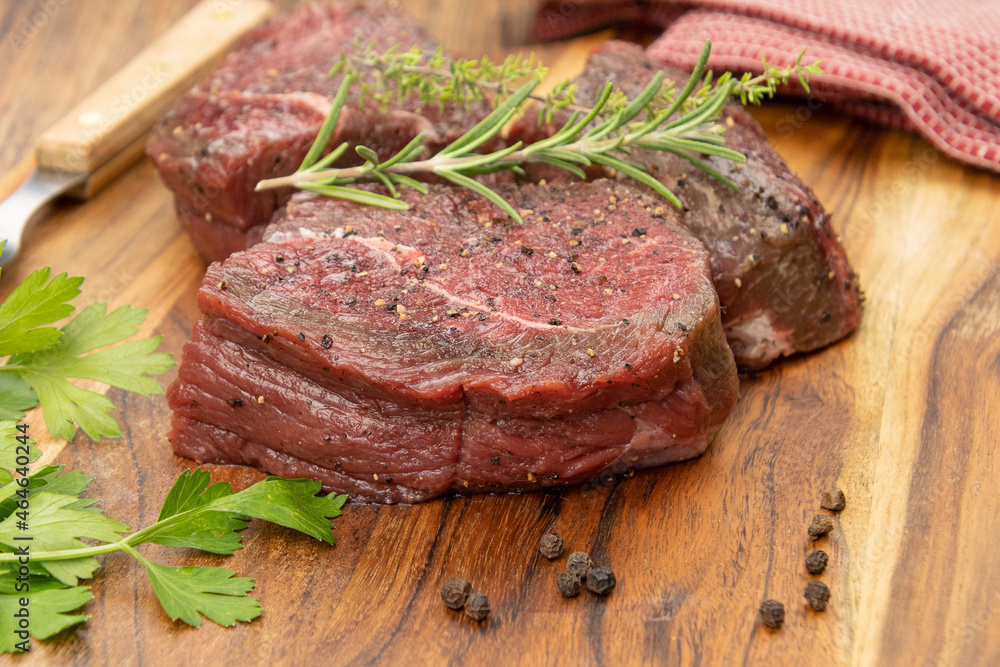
772, 613
817, 595
568, 583
551, 545
833, 500
820, 526
601, 580
579, 564
816, 562
455, 592
477, 607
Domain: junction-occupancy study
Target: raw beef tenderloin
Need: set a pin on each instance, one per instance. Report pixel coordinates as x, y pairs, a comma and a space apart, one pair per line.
401, 355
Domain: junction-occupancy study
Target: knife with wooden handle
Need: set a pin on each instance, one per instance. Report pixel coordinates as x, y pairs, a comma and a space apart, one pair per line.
104, 134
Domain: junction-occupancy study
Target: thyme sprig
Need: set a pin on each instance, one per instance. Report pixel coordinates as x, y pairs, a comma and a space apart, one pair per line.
435, 79
684, 124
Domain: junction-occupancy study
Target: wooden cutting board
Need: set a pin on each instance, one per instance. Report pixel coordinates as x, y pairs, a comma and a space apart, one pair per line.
904, 416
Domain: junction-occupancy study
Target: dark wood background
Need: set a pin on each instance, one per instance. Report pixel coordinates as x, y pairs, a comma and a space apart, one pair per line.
903, 416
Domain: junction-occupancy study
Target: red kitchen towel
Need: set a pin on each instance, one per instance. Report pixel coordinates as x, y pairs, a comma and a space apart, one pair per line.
928, 65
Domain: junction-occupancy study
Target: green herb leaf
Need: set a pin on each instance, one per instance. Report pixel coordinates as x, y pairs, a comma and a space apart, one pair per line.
47, 478
16, 396
49, 607
359, 196
125, 366
192, 491
637, 174
292, 503
34, 304
58, 522
54, 480
69, 572
410, 150
329, 124
11, 447
367, 154
488, 127
329, 159
209, 517
479, 188
186, 593
195, 526
399, 179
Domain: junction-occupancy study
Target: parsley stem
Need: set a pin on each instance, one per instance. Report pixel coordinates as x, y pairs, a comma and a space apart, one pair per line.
124, 544
69, 554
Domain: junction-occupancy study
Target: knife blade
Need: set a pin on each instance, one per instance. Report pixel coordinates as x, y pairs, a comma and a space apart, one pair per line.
28, 202
105, 133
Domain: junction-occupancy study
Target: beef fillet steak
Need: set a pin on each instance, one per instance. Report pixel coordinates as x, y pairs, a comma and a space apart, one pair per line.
401, 355
256, 116
782, 276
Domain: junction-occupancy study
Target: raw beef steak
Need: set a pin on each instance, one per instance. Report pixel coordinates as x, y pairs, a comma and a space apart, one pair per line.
400, 355
782, 276
257, 114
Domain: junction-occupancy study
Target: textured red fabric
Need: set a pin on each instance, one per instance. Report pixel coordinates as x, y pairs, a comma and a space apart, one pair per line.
927, 65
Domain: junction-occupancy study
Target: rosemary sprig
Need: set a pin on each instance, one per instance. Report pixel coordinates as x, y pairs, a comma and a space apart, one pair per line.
605, 133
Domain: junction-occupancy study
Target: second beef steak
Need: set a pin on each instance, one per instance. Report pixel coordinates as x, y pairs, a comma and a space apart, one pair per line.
782, 276
256, 116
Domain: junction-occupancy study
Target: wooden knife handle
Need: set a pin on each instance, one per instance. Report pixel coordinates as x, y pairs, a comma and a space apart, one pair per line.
118, 113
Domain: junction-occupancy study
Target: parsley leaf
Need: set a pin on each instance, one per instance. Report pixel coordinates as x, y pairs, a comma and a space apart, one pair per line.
50, 602
194, 525
58, 522
15, 397
195, 514
190, 491
187, 592
54, 480
41, 358
206, 517
48, 478
35, 303
12, 442
70, 572
292, 503
125, 366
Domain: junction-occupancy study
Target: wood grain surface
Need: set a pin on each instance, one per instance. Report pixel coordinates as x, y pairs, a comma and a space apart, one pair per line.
904, 416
